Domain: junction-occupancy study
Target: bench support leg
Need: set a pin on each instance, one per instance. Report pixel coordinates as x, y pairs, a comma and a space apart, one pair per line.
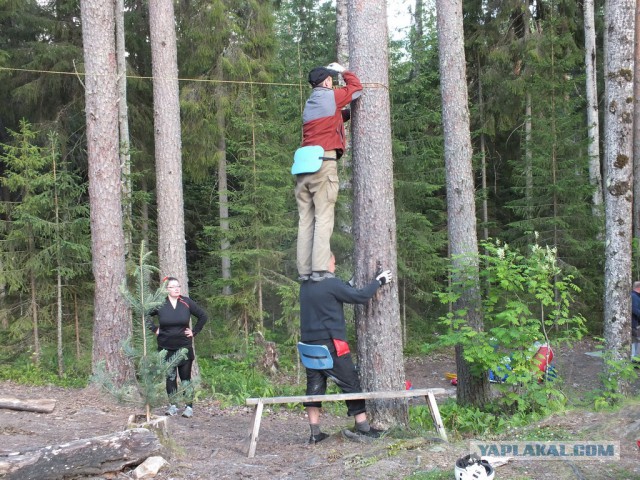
254, 431
435, 415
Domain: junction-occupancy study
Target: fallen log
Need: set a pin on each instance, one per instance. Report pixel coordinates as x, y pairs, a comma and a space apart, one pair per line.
39, 405
90, 456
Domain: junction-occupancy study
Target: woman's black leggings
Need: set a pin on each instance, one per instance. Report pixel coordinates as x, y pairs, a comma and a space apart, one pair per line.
184, 372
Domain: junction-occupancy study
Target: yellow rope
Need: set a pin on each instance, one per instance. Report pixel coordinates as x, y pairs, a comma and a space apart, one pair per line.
205, 80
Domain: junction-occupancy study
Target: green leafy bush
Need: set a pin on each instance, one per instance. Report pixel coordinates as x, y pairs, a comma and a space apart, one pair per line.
524, 298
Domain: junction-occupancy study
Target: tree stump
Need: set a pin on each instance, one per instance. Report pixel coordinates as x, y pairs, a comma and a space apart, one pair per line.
268, 361
90, 456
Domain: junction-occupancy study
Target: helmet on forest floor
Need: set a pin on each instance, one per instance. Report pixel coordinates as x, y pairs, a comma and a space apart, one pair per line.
471, 467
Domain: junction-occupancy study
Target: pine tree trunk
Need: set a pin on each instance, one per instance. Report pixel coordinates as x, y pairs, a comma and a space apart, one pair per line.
593, 121
34, 317
77, 324
416, 38
172, 257
342, 32
111, 316
528, 158
58, 276
223, 194
636, 128
461, 209
123, 127
381, 362
618, 153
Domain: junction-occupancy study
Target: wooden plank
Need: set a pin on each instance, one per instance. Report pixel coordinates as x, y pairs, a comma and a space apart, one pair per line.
428, 393
423, 392
39, 405
435, 415
255, 430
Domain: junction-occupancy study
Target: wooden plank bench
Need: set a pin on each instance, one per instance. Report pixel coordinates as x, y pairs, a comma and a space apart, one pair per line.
259, 403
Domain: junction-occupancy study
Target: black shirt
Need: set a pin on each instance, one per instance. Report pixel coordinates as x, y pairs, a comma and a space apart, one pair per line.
174, 321
321, 307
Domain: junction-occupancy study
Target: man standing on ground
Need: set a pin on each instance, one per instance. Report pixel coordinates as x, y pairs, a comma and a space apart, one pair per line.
316, 193
322, 323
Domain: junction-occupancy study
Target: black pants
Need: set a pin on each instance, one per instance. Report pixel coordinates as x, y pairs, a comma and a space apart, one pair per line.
343, 373
184, 372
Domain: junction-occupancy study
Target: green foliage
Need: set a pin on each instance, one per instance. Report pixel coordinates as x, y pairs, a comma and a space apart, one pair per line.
152, 370
44, 234
143, 299
232, 381
435, 474
616, 374
31, 374
523, 299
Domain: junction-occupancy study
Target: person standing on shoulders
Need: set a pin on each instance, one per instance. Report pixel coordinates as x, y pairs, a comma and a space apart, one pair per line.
316, 193
173, 333
322, 322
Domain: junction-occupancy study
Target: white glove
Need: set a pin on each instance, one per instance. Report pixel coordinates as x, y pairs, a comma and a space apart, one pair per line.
385, 277
336, 67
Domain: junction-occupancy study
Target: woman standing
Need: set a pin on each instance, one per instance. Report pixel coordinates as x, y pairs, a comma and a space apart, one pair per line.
173, 334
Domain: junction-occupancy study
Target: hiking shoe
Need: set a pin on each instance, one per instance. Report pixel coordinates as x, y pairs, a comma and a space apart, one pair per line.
172, 410
319, 276
362, 436
313, 439
303, 278
188, 412
372, 433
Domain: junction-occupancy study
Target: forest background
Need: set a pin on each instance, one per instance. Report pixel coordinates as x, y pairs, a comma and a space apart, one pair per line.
242, 69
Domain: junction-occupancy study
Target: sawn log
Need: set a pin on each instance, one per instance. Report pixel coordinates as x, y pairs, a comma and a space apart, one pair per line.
39, 405
90, 456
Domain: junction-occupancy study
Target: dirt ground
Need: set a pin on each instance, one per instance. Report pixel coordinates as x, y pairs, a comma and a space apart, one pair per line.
211, 444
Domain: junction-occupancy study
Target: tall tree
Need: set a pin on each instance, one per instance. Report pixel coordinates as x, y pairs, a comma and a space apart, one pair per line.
111, 314
618, 154
123, 124
472, 388
172, 256
374, 219
593, 119
636, 127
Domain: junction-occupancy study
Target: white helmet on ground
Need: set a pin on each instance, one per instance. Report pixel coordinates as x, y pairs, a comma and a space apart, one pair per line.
471, 467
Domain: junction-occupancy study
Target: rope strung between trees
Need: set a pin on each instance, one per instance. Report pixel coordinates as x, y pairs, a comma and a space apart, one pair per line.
203, 80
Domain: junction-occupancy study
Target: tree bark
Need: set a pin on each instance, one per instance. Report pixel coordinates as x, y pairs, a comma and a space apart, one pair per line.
172, 254
342, 33
593, 121
111, 317
636, 127
381, 362
223, 194
461, 210
618, 153
123, 127
89, 456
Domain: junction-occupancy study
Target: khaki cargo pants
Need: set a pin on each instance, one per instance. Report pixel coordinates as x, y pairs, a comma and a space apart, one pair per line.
316, 195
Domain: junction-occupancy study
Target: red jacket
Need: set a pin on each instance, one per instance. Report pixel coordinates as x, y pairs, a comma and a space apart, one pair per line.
322, 118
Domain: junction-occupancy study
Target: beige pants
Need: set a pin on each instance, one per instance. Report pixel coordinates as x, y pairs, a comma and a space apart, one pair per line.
316, 195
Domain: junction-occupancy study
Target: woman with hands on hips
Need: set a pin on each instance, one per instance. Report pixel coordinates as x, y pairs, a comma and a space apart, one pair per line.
174, 333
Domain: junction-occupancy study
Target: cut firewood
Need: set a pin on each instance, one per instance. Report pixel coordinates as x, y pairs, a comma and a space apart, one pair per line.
89, 456
39, 405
